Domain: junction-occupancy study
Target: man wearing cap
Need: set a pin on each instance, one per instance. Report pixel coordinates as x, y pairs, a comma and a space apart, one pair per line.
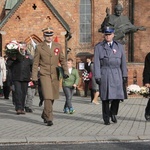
47, 56
110, 71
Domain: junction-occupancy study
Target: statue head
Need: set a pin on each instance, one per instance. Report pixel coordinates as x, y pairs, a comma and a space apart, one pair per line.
118, 9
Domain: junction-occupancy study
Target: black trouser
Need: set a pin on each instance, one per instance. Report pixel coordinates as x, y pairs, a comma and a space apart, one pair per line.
147, 109
20, 92
86, 87
107, 110
6, 91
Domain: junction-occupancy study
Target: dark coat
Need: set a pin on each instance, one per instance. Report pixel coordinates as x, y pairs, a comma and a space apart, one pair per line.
110, 66
88, 68
146, 71
20, 69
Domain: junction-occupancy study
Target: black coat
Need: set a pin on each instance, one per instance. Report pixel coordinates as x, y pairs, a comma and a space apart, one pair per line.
88, 68
20, 69
146, 71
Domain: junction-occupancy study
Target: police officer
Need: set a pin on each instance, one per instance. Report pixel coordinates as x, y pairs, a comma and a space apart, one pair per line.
110, 71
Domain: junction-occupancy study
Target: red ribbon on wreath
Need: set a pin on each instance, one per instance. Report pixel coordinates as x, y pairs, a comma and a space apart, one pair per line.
56, 51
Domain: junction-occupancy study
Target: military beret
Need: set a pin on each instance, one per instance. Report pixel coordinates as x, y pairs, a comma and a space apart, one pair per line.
48, 31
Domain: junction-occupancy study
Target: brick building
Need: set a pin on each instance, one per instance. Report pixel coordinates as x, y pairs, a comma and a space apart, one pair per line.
76, 24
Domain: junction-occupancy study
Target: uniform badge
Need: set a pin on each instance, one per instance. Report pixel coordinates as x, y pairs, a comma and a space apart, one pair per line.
114, 51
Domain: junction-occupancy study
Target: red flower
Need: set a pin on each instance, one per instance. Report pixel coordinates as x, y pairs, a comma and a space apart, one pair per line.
56, 51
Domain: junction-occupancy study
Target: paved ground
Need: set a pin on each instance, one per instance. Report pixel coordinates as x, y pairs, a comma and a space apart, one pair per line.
84, 125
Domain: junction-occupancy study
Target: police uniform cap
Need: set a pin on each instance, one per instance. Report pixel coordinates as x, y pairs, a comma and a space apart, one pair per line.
48, 31
109, 30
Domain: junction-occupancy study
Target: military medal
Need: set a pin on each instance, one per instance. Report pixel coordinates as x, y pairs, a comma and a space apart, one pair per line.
56, 51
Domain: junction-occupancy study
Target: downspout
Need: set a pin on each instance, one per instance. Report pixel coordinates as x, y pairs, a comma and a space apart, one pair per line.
131, 35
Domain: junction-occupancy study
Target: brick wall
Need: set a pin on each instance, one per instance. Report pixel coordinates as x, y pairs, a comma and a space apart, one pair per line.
135, 71
32, 21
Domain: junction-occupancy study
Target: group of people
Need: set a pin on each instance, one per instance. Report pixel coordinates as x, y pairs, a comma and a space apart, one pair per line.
109, 75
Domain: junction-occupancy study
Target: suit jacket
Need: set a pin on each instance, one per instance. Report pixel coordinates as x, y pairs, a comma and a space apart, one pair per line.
47, 59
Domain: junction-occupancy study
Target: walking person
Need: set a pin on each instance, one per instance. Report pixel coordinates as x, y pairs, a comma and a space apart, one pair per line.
146, 82
47, 56
29, 97
7, 83
2, 74
69, 85
94, 87
110, 71
20, 66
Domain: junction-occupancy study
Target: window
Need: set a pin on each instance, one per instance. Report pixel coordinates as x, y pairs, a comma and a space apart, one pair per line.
85, 21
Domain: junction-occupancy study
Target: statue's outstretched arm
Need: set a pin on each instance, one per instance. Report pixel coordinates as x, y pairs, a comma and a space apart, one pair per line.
141, 28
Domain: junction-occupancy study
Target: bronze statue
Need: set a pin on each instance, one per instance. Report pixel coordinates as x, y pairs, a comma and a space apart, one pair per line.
121, 23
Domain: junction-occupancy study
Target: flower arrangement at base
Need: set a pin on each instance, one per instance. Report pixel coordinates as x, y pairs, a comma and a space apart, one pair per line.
145, 92
12, 49
133, 89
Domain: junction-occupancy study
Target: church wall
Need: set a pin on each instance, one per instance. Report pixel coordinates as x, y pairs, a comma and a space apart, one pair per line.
33, 21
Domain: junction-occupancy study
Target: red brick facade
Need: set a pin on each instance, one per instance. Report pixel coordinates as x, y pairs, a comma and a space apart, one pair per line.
26, 22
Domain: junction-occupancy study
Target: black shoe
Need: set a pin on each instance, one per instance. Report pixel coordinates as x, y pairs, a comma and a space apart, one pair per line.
49, 123
147, 117
107, 123
30, 110
40, 103
27, 109
44, 120
6, 97
113, 118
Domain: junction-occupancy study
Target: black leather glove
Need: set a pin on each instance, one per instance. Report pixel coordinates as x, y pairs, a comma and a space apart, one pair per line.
65, 76
125, 79
98, 81
35, 83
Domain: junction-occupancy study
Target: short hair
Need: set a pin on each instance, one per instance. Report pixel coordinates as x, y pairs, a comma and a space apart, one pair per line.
70, 59
89, 57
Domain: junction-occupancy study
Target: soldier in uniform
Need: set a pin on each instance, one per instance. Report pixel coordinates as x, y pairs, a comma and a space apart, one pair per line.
110, 71
47, 56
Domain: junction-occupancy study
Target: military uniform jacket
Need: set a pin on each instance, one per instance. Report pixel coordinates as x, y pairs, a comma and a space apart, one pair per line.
110, 66
47, 59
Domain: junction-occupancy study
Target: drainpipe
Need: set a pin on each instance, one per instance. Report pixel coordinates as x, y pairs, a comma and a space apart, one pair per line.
131, 35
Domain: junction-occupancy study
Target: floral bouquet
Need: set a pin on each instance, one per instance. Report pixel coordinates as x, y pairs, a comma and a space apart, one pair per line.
85, 75
12, 49
145, 92
133, 89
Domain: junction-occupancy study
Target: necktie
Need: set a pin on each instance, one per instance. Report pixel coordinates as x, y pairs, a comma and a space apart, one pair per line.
110, 45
